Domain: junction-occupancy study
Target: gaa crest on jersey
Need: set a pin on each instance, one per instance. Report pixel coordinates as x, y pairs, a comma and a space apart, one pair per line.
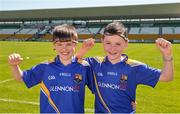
78, 78
123, 78
123, 82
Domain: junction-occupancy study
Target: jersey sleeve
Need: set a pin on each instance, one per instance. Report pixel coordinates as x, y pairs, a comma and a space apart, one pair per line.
147, 75
93, 61
90, 61
90, 80
34, 75
90, 77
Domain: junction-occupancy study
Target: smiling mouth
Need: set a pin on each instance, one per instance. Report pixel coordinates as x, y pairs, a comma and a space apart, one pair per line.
64, 53
112, 53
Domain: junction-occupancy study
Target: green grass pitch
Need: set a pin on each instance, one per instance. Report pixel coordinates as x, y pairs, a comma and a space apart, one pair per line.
16, 98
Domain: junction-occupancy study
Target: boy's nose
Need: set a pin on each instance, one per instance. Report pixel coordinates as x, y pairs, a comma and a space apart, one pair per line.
113, 46
64, 46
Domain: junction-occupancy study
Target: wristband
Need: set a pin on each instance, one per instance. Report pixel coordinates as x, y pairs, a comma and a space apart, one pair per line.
167, 59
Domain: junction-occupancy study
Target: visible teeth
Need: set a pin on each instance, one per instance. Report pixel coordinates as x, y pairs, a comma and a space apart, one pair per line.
64, 53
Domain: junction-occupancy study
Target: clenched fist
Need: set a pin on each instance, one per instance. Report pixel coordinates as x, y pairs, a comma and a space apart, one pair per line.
165, 47
15, 59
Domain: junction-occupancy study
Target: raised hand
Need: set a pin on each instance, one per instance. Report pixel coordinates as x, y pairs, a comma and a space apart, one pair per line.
88, 44
165, 47
14, 59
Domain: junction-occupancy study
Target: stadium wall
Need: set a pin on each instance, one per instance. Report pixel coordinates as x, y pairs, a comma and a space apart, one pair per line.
85, 36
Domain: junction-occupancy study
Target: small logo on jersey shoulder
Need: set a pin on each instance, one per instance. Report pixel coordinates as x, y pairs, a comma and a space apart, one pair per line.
78, 78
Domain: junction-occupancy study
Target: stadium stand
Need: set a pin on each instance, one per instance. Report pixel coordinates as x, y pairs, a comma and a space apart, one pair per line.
144, 22
44, 33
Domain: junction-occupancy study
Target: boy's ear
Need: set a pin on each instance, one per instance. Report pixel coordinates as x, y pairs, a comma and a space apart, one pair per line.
126, 44
54, 47
102, 40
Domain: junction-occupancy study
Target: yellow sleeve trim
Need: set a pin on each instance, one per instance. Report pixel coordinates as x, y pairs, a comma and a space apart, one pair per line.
133, 63
100, 59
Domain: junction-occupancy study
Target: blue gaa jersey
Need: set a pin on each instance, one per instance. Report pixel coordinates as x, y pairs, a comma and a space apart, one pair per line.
62, 87
116, 83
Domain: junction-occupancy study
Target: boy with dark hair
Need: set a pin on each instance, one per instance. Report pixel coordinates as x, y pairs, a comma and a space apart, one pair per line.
116, 76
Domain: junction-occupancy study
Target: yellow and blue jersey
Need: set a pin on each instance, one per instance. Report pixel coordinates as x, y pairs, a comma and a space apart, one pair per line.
62, 88
116, 83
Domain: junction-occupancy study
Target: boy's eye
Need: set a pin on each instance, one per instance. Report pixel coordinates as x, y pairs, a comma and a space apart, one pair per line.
108, 43
69, 44
59, 44
118, 44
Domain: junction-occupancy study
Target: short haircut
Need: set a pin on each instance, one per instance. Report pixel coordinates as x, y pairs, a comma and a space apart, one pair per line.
65, 33
116, 28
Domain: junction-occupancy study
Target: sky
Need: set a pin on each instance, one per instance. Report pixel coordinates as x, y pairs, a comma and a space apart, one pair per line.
47, 4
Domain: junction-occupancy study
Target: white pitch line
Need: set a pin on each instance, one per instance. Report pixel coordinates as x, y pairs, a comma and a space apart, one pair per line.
19, 101
4, 81
32, 103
